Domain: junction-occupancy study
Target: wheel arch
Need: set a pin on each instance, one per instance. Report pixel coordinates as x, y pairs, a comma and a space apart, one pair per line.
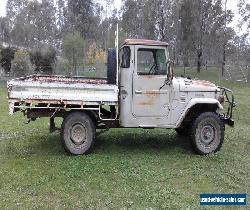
91, 113
195, 107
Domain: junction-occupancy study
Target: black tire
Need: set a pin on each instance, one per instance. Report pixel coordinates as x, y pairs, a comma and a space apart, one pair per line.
78, 133
111, 66
182, 131
207, 133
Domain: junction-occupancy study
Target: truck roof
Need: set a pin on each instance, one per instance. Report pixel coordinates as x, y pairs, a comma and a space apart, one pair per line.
144, 42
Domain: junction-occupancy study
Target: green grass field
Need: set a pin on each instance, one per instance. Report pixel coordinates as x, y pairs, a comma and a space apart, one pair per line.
128, 169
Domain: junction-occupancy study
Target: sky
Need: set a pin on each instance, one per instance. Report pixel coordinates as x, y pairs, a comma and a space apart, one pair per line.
232, 4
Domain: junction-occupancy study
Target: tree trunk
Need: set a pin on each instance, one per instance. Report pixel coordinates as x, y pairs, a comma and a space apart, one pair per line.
199, 54
74, 63
224, 61
185, 60
225, 42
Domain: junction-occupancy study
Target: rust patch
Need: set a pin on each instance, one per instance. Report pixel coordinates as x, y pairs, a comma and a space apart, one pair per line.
147, 103
65, 80
144, 42
151, 98
203, 83
147, 76
152, 94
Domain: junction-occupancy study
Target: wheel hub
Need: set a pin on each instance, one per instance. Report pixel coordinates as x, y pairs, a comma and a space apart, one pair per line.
207, 134
78, 134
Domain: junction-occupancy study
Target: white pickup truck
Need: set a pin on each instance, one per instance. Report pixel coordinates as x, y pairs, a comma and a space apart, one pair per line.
140, 92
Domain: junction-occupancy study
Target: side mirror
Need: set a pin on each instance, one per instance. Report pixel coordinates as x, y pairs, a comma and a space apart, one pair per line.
170, 71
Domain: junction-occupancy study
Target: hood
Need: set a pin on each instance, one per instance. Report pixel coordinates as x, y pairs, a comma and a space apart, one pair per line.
196, 85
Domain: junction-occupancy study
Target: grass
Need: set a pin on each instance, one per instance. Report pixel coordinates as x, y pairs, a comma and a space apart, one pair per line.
128, 169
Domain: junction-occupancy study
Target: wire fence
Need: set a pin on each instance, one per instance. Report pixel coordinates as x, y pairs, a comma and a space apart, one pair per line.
233, 73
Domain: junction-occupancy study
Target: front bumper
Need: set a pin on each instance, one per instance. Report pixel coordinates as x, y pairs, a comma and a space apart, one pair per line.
227, 117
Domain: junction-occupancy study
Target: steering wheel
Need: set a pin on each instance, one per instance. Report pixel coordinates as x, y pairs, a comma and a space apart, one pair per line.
153, 69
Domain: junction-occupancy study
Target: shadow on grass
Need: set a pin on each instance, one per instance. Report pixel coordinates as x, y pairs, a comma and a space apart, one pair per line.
126, 141
142, 141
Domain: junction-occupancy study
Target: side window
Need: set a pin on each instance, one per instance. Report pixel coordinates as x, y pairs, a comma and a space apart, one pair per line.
151, 62
145, 60
125, 57
161, 62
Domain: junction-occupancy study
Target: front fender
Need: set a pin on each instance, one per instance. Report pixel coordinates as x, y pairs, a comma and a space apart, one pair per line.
194, 102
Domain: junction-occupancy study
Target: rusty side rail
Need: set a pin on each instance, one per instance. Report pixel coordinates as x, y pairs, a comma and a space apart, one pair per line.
60, 92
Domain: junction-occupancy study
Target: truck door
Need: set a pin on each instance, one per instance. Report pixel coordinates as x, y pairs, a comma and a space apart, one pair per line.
150, 95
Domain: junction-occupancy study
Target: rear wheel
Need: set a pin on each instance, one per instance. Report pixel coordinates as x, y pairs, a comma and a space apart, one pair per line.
207, 133
78, 133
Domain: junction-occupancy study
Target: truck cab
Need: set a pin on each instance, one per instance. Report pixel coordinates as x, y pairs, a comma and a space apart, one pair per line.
140, 92
144, 95
150, 97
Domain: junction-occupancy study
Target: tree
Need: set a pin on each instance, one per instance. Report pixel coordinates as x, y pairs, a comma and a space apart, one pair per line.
7, 55
95, 54
16, 20
21, 65
31, 22
131, 11
41, 19
73, 49
82, 17
4, 30
63, 67
61, 19
167, 12
13, 9
244, 10
153, 19
43, 57
201, 20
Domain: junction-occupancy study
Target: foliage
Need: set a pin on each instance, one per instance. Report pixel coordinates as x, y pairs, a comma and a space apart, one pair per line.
244, 10
7, 55
4, 30
62, 67
95, 54
191, 27
21, 65
73, 49
83, 17
43, 57
202, 22
31, 22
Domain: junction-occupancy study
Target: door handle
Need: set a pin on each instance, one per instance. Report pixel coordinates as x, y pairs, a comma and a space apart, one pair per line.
138, 92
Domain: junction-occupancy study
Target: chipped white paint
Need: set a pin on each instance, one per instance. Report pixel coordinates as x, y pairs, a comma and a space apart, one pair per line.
55, 92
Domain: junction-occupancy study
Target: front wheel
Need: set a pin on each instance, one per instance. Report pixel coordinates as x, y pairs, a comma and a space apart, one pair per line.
77, 133
182, 131
207, 133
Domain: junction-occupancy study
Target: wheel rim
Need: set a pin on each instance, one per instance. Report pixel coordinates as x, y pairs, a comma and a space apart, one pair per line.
207, 134
78, 134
